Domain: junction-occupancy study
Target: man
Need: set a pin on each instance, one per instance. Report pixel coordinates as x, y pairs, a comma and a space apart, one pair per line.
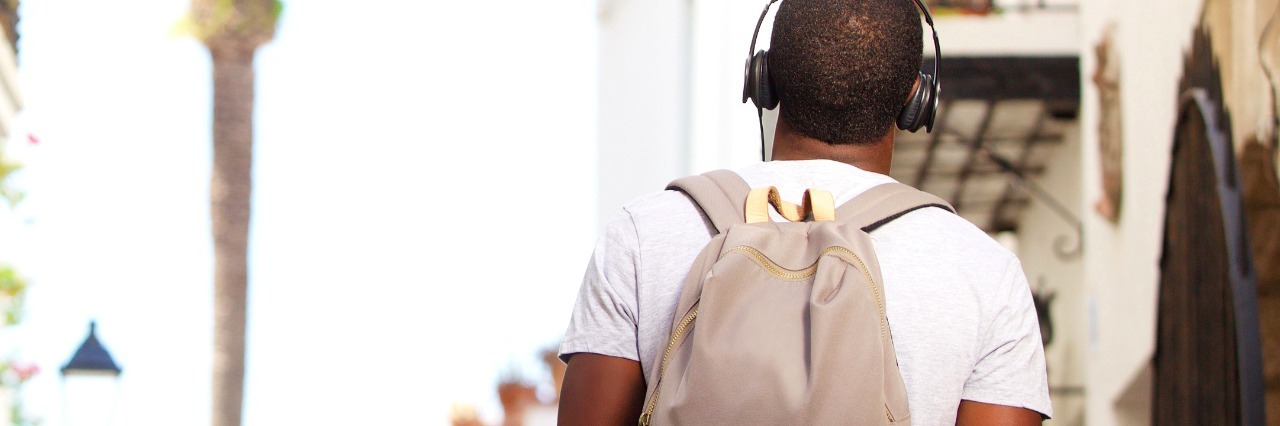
958, 304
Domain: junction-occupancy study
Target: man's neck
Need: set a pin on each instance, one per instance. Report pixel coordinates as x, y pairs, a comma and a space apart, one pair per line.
873, 157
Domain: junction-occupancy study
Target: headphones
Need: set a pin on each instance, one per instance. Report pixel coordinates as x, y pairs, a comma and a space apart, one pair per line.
918, 112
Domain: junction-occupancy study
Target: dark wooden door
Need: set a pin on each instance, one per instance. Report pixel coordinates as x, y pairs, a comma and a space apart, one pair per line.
1207, 350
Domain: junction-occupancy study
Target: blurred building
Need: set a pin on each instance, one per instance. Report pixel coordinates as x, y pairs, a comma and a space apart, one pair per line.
1126, 152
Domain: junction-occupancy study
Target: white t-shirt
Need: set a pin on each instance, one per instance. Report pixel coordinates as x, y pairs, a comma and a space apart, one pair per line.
959, 307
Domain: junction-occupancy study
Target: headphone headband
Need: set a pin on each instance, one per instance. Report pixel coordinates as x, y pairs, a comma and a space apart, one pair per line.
759, 23
937, 63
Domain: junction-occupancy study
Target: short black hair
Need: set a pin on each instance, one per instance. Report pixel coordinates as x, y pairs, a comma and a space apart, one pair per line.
842, 68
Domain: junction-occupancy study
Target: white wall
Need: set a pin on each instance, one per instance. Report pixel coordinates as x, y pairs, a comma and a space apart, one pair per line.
643, 113
724, 132
1121, 260
671, 93
1057, 271
1032, 32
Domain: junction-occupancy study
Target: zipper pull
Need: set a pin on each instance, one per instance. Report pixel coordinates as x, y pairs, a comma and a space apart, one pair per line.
644, 419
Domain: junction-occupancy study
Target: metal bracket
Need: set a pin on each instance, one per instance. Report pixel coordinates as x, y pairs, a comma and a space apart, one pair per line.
1062, 245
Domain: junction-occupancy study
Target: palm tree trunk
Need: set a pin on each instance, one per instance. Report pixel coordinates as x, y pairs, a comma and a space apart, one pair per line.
230, 191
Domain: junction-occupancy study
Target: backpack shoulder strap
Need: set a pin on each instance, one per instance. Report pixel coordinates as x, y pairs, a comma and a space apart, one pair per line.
720, 194
884, 203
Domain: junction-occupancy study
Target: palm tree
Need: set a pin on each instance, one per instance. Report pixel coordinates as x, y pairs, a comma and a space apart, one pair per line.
232, 30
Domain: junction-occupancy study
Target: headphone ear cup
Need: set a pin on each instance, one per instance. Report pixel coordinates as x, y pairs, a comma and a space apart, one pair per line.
912, 116
757, 85
929, 107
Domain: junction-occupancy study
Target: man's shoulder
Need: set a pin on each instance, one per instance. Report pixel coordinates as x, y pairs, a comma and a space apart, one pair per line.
667, 212
659, 202
937, 219
941, 238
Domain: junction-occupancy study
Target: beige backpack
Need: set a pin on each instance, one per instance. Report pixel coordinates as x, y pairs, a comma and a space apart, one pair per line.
783, 323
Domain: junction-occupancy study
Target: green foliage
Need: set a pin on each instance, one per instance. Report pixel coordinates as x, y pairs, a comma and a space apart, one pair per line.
18, 418
12, 286
214, 21
13, 290
9, 195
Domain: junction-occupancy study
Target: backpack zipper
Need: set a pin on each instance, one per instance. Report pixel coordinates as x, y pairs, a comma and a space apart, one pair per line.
787, 274
879, 303
884, 321
775, 269
874, 290
662, 368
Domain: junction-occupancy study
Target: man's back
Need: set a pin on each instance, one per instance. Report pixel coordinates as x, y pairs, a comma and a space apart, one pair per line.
958, 304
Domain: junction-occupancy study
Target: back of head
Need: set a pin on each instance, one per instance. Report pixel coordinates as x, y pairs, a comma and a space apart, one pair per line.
842, 69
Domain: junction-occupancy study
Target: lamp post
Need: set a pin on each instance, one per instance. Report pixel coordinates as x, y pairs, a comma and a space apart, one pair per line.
90, 382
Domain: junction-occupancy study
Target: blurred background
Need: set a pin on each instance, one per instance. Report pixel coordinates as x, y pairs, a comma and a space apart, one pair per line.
428, 181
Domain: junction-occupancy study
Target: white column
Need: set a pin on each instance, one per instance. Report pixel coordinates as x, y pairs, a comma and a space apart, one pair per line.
643, 104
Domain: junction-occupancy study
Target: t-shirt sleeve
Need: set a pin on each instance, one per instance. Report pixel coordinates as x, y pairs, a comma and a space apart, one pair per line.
1011, 367
604, 316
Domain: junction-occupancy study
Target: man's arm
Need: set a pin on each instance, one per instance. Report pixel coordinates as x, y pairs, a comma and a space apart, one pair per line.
973, 413
1009, 377
601, 390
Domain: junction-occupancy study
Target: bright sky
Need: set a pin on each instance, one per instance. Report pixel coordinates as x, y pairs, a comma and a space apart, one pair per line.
424, 204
